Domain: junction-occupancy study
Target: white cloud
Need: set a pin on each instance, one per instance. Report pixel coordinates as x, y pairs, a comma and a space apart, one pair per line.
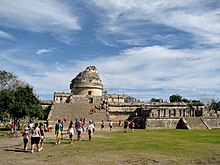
123, 17
44, 51
6, 35
39, 16
190, 72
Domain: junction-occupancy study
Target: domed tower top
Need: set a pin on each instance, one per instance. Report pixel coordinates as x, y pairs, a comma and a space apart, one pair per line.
87, 82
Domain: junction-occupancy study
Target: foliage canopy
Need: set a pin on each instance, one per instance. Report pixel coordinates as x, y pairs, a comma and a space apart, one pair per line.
17, 99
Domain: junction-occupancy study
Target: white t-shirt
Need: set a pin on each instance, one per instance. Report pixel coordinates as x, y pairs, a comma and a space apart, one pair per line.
91, 127
71, 130
35, 132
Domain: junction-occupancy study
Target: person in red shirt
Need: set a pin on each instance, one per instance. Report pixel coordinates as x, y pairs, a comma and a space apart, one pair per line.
133, 126
12, 127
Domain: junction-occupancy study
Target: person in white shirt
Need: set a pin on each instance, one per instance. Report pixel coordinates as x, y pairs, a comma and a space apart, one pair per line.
90, 129
35, 138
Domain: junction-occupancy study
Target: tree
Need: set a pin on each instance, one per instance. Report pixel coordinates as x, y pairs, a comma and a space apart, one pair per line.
9, 81
17, 98
25, 104
175, 98
6, 99
214, 106
129, 99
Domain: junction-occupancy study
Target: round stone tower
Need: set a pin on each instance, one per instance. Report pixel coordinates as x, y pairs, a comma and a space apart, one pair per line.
87, 83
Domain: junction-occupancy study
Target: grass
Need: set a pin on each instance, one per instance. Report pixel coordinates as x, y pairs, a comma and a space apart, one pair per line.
141, 147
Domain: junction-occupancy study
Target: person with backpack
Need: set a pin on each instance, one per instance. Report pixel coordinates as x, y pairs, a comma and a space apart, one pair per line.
58, 131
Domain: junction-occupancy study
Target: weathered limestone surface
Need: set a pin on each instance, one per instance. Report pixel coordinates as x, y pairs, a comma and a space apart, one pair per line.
161, 123
87, 82
212, 122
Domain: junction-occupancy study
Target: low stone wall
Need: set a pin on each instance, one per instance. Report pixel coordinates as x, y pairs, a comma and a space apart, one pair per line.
161, 123
212, 122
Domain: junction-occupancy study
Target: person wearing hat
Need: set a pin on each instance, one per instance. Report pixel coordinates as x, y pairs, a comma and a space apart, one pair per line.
26, 137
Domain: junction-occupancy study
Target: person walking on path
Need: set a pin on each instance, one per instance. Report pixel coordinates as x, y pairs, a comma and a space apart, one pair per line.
71, 131
26, 138
12, 127
80, 129
110, 125
90, 129
35, 138
132, 126
102, 124
42, 132
58, 131
126, 126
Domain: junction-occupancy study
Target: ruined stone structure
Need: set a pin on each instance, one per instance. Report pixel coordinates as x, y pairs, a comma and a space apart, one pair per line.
87, 83
86, 93
155, 115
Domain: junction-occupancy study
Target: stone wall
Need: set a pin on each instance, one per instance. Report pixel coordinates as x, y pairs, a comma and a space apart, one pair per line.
161, 123
212, 122
87, 91
61, 97
121, 111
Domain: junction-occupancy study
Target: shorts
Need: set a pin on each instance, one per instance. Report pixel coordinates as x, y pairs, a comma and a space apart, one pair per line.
25, 140
35, 140
79, 133
71, 134
58, 134
89, 132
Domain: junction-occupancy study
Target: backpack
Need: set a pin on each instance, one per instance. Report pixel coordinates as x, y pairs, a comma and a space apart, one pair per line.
57, 127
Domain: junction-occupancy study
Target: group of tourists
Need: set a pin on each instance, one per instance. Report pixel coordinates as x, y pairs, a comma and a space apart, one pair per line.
37, 136
36, 132
76, 128
127, 124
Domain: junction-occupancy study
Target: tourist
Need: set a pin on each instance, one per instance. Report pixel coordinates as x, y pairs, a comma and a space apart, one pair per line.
126, 126
61, 129
12, 127
26, 137
102, 124
76, 123
71, 131
58, 131
65, 119
35, 138
90, 129
119, 123
80, 129
110, 125
19, 124
45, 127
31, 125
132, 126
42, 132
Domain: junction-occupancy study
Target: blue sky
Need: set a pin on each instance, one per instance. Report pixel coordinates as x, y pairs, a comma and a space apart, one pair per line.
142, 48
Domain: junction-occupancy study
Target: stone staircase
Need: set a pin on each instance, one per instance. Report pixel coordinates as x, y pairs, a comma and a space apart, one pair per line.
195, 123
76, 110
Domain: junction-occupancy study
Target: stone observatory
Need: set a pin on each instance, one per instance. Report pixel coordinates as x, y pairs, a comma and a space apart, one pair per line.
87, 82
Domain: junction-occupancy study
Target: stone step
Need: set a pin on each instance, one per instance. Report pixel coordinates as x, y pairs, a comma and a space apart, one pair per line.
195, 123
76, 110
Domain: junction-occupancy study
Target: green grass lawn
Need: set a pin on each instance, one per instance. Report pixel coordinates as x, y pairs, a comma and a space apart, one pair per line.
141, 147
